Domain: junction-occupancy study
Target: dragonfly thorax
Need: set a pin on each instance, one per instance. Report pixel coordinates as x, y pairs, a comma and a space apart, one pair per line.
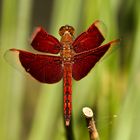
67, 49
67, 52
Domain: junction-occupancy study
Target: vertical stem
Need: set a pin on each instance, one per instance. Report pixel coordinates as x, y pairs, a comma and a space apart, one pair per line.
90, 123
69, 131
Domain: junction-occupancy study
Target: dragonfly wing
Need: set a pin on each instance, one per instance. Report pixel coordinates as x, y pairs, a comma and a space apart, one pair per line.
90, 39
44, 42
44, 68
85, 61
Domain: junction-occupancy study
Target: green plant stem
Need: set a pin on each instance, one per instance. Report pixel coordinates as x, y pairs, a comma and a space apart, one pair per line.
69, 131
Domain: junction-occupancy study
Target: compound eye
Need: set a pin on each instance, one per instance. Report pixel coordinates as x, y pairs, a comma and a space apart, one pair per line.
62, 30
71, 30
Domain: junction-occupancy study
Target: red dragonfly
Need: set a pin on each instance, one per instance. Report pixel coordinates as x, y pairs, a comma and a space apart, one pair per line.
76, 57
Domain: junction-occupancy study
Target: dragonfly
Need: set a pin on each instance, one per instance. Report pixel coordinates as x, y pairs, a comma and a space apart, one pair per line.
65, 59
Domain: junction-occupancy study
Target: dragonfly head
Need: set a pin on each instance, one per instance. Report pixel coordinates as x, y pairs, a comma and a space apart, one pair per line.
65, 28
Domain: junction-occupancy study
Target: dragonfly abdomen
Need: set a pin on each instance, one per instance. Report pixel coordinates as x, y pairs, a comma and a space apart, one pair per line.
67, 83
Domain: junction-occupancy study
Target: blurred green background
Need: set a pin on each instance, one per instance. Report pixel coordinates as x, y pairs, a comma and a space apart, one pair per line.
33, 111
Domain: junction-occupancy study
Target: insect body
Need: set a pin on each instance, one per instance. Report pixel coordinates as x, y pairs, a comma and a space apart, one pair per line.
77, 57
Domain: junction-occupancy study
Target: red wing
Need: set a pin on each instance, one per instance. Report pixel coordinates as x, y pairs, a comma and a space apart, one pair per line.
44, 42
44, 68
90, 39
85, 61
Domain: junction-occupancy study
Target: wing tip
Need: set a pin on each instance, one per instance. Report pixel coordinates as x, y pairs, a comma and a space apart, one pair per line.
13, 50
35, 32
97, 21
101, 27
116, 41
